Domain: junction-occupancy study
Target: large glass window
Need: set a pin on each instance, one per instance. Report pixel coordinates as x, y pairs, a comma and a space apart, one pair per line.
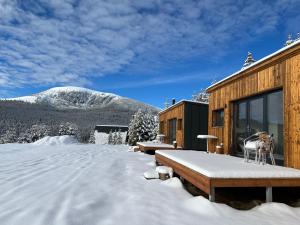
256, 116
260, 113
275, 121
241, 124
172, 130
241, 115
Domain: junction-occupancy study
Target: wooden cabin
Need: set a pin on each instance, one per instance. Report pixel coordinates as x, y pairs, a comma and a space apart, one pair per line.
263, 96
182, 122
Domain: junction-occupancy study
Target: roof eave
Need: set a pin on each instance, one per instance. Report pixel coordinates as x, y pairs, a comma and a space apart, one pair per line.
253, 66
181, 102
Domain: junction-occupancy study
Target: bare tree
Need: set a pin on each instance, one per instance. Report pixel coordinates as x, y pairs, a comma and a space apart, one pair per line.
201, 96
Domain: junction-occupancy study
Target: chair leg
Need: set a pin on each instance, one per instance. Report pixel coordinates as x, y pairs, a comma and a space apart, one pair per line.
272, 158
248, 156
259, 156
256, 156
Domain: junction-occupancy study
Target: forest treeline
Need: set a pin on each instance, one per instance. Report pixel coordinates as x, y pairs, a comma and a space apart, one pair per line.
26, 122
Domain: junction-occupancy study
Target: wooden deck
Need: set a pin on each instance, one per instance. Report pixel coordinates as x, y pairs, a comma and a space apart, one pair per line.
208, 184
146, 146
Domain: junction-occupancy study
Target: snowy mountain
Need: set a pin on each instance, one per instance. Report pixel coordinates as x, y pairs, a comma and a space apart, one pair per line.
83, 98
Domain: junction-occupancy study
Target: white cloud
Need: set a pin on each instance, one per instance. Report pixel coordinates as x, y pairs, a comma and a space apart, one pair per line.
47, 42
171, 79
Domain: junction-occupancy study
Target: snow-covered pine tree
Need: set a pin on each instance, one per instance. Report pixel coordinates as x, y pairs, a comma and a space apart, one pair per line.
10, 136
151, 124
62, 129
134, 128
68, 129
110, 138
34, 133
156, 127
142, 127
119, 138
39, 130
115, 137
201, 96
24, 138
92, 137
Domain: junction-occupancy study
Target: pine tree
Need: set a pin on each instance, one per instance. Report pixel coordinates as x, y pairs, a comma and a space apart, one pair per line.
202, 96
119, 138
142, 127
115, 138
92, 137
110, 138
68, 129
134, 128
10, 136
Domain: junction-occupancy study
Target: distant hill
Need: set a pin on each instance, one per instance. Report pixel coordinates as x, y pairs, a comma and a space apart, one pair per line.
83, 98
83, 107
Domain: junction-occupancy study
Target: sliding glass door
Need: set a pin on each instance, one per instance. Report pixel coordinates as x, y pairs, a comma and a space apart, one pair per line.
172, 130
249, 119
259, 113
275, 121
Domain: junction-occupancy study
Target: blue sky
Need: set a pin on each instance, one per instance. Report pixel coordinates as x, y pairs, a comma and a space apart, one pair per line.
147, 50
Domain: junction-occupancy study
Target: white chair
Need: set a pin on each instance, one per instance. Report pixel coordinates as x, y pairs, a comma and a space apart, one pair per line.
160, 138
266, 146
251, 146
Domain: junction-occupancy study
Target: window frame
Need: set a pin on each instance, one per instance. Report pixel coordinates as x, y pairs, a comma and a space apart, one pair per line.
179, 124
218, 117
162, 127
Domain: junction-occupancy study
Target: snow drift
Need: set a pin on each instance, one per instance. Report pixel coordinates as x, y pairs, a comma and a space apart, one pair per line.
57, 140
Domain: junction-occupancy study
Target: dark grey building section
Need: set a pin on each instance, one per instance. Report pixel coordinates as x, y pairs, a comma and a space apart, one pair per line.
108, 128
195, 123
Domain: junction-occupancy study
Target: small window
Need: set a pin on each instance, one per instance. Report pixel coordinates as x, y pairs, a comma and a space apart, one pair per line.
161, 127
179, 124
218, 118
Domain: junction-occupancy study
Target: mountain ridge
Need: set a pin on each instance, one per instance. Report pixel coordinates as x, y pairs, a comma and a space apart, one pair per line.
70, 97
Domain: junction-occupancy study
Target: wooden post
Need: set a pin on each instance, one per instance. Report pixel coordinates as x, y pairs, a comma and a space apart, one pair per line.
269, 194
212, 194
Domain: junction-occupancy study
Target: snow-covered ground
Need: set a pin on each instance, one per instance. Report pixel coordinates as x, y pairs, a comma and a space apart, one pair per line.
103, 184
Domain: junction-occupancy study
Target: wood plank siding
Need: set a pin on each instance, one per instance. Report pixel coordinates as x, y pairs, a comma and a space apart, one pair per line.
191, 120
176, 112
282, 71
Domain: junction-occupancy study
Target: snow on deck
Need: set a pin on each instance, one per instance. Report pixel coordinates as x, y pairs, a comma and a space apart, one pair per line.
155, 145
225, 166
